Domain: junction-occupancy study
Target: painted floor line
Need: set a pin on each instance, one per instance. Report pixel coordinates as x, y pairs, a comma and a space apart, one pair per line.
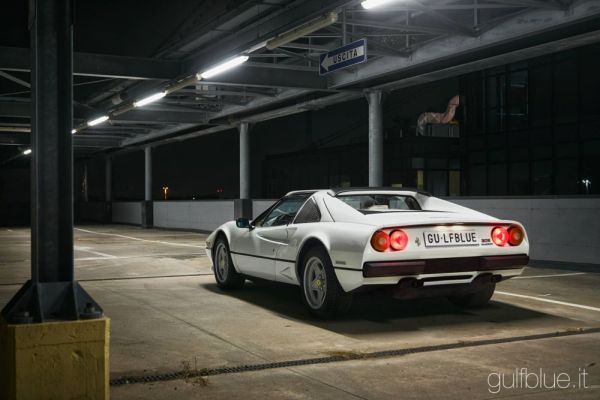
562, 303
548, 276
124, 278
140, 239
141, 256
97, 253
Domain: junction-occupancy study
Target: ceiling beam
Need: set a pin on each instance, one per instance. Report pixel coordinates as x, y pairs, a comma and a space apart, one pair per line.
15, 109
398, 27
288, 67
100, 65
219, 92
530, 3
291, 15
24, 139
14, 139
167, 117
253, 76
442, 18
15, 79
526, 30
184, 116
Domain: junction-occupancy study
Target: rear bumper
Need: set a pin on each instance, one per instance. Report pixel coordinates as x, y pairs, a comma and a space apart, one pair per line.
443, 265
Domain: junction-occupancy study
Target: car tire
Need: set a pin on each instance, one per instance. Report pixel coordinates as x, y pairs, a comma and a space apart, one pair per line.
321, 291
225, 274
475, 299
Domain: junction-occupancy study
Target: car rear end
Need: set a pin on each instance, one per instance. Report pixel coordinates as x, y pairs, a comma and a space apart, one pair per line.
440, 258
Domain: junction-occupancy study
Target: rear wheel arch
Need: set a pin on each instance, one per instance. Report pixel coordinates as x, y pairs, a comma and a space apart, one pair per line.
308, 245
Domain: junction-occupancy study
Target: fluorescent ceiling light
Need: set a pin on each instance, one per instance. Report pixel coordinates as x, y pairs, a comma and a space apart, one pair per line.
26, 152
303, 30
368, 4
149, 99
227, 65
98, 120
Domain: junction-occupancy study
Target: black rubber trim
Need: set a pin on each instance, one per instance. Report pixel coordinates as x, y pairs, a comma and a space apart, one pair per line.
264, 258
443, 265
347, 269
186, 374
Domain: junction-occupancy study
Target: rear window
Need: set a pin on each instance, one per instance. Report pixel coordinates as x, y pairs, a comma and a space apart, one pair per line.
373, 203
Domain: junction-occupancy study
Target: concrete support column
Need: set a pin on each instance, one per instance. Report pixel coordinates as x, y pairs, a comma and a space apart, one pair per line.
85, 182
147, 207
243, 208
108, 189
375, 138
108, 179
244, 160
148, 174
344, 27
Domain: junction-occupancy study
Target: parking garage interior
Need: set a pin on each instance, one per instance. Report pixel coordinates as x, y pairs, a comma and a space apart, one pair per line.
130, 131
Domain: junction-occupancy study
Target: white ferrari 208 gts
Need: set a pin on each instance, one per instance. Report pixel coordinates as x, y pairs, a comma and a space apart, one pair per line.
336, 243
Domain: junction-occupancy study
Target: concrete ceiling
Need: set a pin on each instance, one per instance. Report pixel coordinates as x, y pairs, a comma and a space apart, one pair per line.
410, 42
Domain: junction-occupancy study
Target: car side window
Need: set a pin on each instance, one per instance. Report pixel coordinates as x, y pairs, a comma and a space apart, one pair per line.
309, 213
284, 212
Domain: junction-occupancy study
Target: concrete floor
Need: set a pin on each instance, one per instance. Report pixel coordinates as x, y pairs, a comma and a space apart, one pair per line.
169, 316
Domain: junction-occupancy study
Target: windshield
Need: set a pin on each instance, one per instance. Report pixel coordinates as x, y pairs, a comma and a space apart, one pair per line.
372, 203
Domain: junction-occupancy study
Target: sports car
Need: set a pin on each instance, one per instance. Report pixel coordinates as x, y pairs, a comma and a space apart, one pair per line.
337, 243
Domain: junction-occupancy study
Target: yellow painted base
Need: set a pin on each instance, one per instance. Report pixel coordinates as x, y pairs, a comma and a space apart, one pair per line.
54, 360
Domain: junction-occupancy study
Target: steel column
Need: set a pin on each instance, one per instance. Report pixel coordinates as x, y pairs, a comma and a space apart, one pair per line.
85, 182
344, 27
52, 292
148, 174
244, 160
243, 205
375, 139
108, 179
147, 205
108, 189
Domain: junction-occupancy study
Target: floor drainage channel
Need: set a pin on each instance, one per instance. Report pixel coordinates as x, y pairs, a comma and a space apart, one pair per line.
123, 278
125, 380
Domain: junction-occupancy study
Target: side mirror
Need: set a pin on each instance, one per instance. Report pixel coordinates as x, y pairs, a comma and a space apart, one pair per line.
242, 223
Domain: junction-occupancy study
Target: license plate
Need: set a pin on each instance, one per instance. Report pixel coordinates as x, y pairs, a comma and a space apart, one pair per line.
450, 238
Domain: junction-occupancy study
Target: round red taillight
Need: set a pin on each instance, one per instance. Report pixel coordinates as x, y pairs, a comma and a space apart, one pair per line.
500, 236
398, 240
380, 241
515, 235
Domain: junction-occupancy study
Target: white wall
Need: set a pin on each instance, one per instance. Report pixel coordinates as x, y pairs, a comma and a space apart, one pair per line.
559, 229
127, 212
200, 215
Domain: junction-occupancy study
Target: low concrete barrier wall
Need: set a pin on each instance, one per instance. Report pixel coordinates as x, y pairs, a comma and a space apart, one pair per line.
200, 215
127, 212
559, 229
